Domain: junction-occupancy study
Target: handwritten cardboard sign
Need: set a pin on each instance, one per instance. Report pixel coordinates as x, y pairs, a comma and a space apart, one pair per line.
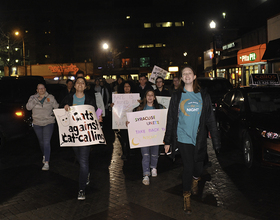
146, 128
123, 103
164, 100
157, 71
79, 126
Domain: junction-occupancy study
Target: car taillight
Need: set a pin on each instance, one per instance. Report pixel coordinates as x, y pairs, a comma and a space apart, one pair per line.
19, 113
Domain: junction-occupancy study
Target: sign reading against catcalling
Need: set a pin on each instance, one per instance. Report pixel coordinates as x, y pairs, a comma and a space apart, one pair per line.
123, 103
79, 126
146, 128
157, 71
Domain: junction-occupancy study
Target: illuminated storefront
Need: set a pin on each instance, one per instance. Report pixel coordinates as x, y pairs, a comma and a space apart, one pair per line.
251, 61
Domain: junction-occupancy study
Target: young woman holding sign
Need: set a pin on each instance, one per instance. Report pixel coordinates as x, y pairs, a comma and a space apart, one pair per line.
190, 116
149, 154
126, 87
81, 152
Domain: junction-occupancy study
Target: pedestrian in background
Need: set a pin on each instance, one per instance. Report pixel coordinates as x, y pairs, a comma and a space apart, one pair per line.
175, 85
190, 116
161, 90
69, 89
149, 154
81, 152
42, 105
143, 85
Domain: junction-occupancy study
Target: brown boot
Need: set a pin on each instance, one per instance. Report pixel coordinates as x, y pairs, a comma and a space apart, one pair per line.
187, 202
195, 186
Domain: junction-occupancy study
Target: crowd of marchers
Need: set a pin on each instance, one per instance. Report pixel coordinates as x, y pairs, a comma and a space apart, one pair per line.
190, 117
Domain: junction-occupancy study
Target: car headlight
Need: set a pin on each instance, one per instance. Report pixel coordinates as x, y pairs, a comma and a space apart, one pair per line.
270, 135
19, 113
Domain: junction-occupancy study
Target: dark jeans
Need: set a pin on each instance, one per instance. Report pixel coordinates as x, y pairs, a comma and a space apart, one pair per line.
190, 167
82, 154
44, 135
124, 141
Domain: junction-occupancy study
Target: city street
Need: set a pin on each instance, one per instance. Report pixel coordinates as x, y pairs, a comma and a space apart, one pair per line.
227, 189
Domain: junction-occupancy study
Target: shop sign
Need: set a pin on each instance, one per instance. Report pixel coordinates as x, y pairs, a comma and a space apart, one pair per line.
251, 57
264, 79
64, 69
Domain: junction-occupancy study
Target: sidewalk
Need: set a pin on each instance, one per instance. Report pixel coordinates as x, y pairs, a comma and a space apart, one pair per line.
115, 191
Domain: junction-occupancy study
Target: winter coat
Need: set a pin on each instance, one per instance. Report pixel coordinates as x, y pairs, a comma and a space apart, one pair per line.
207, 122
68, 100
42, 114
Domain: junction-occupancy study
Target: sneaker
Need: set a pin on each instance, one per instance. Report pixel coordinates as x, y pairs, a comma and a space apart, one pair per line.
46, 166
43, 161
154, 172
81, 195
88, 180
146, 180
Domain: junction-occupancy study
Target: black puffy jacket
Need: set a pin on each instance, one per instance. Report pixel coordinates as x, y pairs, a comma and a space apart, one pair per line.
207, 123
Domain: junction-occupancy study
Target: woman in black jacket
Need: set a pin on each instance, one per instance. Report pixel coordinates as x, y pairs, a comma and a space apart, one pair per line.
190, 116
82, 152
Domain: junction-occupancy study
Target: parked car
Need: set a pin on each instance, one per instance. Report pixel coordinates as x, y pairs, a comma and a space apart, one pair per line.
249, 117
216, 87
15, 120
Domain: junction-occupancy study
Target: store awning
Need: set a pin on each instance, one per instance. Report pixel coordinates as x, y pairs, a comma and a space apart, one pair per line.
251, 54
230, 62
272, 50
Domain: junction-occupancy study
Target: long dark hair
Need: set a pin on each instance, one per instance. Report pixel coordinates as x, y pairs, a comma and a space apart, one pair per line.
144, 101
132, 87
80, 77
196, 87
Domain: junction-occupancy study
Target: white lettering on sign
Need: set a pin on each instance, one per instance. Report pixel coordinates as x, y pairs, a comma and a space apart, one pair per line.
251, 57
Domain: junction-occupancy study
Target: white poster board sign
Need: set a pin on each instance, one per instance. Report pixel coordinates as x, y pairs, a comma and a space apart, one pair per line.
164, 100
157, 71
100, 103
79, 126
146, 128
123, 103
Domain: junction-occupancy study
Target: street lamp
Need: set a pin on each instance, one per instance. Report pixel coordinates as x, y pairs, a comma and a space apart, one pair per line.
213, 26
23, 52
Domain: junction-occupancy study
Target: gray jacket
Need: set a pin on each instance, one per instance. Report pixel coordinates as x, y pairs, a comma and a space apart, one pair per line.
42, 114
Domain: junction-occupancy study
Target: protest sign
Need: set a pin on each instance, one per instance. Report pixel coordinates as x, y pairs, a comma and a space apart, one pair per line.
164, 100
146, 128
79, 126
123, 103
99, 102
157, 71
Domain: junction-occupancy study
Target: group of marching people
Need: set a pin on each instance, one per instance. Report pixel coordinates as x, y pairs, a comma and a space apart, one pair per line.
190, 118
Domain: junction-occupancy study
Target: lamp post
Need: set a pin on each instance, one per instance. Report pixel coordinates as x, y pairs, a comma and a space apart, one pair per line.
23, 52
213, 26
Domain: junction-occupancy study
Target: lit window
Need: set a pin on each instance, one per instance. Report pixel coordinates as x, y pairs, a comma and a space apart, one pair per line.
47, 56
127, 17
164, 24
145, 62
146, 46
179, 24
16, 61
159, 45
147, 25
16, 49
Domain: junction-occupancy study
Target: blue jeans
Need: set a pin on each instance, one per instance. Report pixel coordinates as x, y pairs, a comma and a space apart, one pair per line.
149, 159
82, 154
44, 135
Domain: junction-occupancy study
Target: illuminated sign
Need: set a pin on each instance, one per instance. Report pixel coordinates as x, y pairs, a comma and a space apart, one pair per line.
228, 46
251, 57
64, 69
264, 79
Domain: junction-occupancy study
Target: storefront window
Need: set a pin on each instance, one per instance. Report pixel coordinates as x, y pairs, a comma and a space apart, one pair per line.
276, 68
256, 69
